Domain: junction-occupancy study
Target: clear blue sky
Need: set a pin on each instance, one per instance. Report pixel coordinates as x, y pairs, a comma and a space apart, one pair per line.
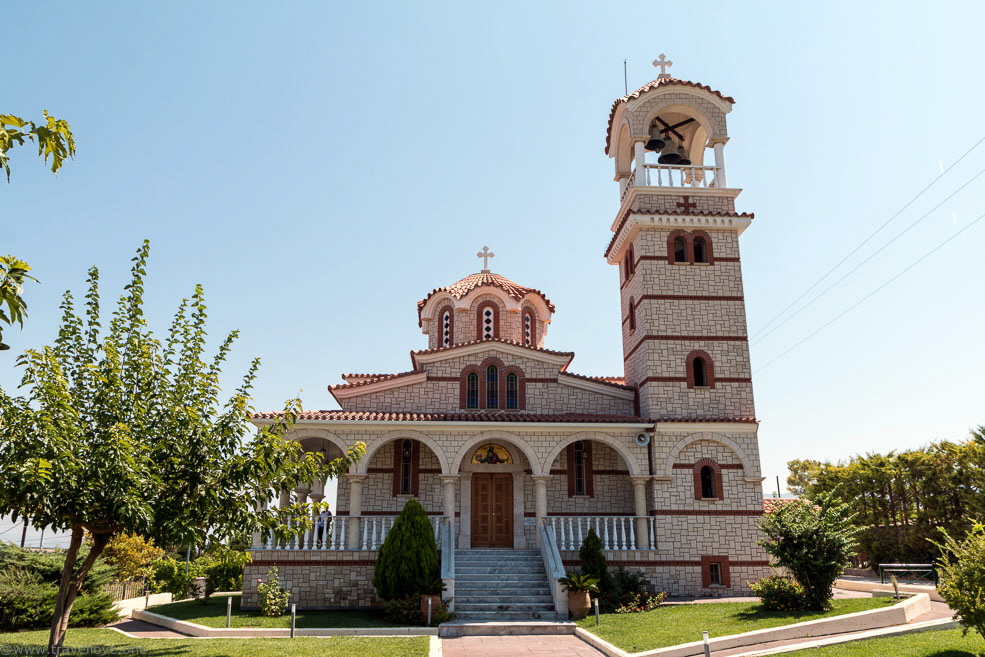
320, 167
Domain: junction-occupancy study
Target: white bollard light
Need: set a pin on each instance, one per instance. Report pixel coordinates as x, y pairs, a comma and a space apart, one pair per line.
704, 637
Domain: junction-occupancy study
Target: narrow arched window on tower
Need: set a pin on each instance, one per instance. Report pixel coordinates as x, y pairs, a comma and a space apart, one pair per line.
528, 329
700, 372
488, 320
472, 391
632, 314
680, 249
512, 391
446, 329
406, 459
579, 467
492, 387
708, 491
700, 250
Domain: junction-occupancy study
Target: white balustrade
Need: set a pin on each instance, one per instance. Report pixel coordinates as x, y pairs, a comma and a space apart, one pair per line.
333, 534
616, 532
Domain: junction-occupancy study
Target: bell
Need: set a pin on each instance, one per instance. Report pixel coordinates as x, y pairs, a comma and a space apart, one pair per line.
656, 141
669, 154
685, 160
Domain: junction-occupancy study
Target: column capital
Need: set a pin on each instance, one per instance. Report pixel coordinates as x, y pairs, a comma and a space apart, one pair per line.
449, 478
302, 491
542, 479
316, 498
640, 480
356, 478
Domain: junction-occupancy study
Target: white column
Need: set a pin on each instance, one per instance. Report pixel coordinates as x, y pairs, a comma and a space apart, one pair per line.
448, 486
316, 499
258, 536
639, 154
720, 180
355, 509
639, 501
540, 501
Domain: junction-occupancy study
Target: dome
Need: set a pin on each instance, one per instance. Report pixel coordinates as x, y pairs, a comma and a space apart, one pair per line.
462, 287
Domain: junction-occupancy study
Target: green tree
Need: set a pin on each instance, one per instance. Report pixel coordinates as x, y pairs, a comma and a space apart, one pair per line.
409, 555
962, 577
54, 139
593, 561
13, 273
814, 540
121, 433
131, 556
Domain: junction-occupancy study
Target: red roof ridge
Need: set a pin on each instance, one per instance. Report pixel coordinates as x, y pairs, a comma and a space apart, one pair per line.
744, 419
513, 343
378, 379
457, 416
653, 84
604, 380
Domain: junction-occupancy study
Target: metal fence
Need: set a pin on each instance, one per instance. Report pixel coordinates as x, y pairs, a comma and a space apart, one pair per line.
133, 588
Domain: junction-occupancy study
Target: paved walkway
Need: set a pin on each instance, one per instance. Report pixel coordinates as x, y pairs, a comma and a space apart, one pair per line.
141, 630
517, 646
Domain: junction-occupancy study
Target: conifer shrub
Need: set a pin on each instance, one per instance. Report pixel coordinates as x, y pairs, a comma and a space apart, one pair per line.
593, 563
962, 577
408, 556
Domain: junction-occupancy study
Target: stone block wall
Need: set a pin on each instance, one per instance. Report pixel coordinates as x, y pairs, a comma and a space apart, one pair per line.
317, 580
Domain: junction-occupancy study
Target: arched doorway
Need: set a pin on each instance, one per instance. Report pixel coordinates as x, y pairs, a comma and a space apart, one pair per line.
492, 496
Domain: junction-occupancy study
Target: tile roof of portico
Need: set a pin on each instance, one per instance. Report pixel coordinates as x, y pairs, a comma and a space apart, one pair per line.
375, 378
479, 416
461, 288
744, 420
659, 82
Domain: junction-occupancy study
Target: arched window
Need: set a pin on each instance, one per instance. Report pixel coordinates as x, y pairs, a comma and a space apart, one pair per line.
680, 249
529, 329
700, 372
487, 321
700, 249
708, 483
512, 391
632, 314
472, 391
492, 387
579, 469
406, 461
446, 327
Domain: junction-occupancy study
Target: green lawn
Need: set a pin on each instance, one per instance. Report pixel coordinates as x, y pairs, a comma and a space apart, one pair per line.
673, 624
940, 643
213, 614
108, 642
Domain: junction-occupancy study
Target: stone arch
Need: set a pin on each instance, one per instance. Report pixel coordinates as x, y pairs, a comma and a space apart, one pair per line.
707, 112
299, 435
624, 150
375, 444
611, 441
471, 444
747, 465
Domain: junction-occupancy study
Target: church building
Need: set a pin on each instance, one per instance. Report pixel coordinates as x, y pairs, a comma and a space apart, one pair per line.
515, 456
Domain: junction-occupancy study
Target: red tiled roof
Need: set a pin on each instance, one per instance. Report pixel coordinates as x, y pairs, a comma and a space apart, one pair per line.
745, 420
376, 379
460, 288
659, 82
701, 213
614, 381
493, 341
479, 416
771, 504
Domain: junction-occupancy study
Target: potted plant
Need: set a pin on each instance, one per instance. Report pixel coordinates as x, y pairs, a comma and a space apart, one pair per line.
579, 587
431, 590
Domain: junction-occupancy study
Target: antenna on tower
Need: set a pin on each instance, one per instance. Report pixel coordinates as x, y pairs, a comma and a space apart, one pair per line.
625, 80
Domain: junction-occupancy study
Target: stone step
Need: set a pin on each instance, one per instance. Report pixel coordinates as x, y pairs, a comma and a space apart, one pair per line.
507, 616
496, 627
496, 570
529, 563
464, 603
505, 582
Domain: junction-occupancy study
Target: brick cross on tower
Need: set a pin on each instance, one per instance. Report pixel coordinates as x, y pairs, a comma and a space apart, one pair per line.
687, 205
485, 254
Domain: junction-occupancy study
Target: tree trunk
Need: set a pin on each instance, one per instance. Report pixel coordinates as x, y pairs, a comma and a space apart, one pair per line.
70, 585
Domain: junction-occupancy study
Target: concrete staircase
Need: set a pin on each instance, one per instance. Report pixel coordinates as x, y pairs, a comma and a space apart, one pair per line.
502, 585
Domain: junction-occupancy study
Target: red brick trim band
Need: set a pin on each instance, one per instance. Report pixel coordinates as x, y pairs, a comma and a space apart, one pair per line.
611, 472
726, 259
683, 379
565, 514
687, 297
429, 470
723, 466
387, 513
687, 338
675, 564
299, 562
444, 379
705, 512
541, 380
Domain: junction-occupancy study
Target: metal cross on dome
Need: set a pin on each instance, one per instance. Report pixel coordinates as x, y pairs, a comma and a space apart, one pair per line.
485, 254
663, 64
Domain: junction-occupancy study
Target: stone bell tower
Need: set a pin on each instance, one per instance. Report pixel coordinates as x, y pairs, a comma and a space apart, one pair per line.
676, 242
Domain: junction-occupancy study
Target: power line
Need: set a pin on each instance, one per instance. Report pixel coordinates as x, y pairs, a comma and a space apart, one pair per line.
870, 294
866, 240
12, 527
867, 260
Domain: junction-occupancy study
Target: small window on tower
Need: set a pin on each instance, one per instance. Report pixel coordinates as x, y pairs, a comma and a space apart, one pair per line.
487, 322
406, 456
529, 336
492, 387
632, 314
472, 391
446, 329
680, 249
700, 250
700, 373
512, 391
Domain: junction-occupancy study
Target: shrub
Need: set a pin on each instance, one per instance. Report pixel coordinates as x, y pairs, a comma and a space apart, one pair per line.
962, 577
169, 576
638, 602
779, 593
27, 602
408, 556
131, 556
273, 598
222, 568
593, 561
407, 611
814, 541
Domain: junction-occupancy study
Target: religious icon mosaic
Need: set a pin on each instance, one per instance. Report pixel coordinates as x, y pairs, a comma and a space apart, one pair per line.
492, 453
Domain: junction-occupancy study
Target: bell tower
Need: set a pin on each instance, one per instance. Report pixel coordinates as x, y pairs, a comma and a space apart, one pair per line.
676, 243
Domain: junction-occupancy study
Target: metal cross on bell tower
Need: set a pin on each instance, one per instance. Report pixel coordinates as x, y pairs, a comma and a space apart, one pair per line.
663, 64
485, 254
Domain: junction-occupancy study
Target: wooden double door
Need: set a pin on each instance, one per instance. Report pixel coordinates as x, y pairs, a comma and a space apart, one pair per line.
492, 510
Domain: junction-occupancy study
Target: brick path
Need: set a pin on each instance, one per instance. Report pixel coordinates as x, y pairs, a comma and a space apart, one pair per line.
143, 630
549, 645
